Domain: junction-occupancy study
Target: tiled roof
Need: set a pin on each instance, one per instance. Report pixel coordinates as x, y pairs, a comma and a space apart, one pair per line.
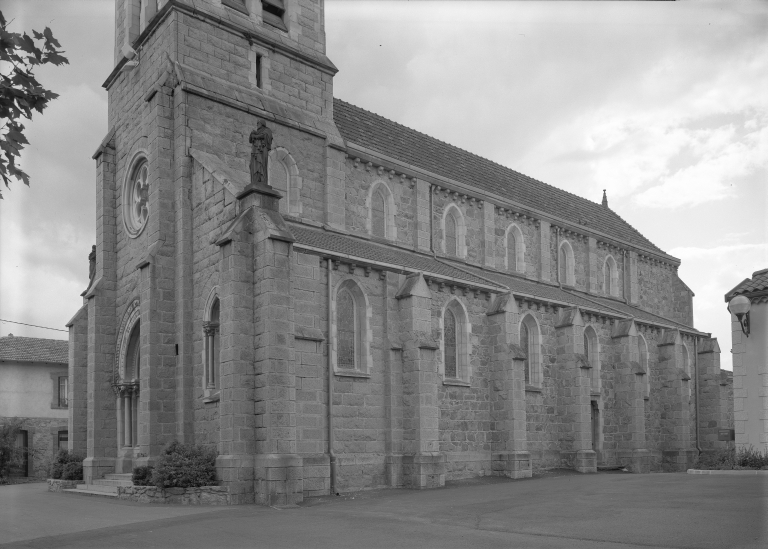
375, 132
362, 249
34, 349
758, 283
640, 314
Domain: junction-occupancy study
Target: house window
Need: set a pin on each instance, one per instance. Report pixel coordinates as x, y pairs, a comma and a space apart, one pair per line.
62, 440
212, 348
451, 228
273, 13
63, 391
346, 323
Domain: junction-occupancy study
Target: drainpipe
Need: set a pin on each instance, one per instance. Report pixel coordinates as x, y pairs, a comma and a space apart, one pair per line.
331, 453
696, 392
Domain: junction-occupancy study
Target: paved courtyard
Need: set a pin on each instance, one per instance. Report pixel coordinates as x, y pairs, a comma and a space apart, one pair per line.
559, 510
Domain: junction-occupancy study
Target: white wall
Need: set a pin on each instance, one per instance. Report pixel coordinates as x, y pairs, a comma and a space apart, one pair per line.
26, 390
750, 379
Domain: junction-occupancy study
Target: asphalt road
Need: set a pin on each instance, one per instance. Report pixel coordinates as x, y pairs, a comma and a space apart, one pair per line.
560, 510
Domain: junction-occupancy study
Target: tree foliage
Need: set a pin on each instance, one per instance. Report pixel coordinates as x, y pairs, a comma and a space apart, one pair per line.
20, 92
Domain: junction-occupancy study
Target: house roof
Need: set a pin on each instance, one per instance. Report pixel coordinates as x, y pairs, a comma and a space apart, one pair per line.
377, 133
758, 283
34, 349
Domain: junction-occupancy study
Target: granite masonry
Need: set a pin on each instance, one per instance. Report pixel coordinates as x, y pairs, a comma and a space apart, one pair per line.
385, 310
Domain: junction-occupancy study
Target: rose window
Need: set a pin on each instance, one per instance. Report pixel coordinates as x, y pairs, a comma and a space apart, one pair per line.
136, 195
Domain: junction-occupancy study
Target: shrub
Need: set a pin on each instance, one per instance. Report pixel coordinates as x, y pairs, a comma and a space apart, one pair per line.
751, 458
67, 466
719, 459
142, 475
185, 466
10, 454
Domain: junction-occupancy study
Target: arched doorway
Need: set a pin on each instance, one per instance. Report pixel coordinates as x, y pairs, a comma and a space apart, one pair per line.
127, 405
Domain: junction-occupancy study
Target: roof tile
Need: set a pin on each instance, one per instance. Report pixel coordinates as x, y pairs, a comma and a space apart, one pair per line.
33, 349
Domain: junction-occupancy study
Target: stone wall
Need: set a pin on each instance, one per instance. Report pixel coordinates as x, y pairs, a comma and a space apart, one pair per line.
203, 495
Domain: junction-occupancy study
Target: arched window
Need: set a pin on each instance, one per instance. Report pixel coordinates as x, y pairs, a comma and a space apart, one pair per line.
592, 352
686, 361
348, 335
515, 250
451, 230
529, 341
284, 177
378, 215
566, 274
610, 277
642, 348
456, 346
351, 329
381, 211
212, 347
454, 231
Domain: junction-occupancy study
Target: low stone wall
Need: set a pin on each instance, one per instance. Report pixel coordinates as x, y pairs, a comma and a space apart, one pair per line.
203, 495
57, 485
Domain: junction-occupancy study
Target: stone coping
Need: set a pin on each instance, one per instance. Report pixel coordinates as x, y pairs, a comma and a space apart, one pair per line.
57, 485
737, 472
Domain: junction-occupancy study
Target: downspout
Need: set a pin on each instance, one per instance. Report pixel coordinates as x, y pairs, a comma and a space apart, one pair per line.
696, 392
331, 453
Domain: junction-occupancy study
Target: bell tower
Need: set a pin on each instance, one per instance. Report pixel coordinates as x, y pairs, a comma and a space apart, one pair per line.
188, 249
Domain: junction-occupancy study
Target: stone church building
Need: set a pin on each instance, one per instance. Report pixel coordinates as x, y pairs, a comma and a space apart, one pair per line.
337, 302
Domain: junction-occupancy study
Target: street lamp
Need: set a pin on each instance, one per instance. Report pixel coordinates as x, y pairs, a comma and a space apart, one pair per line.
739, 306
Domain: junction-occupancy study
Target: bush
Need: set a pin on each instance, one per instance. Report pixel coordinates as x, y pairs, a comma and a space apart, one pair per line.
142, 475
185, 466
67, 466
10, 454
744, 458
750, 458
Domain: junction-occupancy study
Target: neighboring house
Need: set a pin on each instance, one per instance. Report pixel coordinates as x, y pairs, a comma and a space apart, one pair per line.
750, 362
34, 387
374, 308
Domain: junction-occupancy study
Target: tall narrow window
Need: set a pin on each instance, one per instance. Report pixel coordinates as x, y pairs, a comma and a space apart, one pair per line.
346, 323
524, 343
63, 391
566, 273
592, 352
451, 229
563, 266
449, 338
278, 180
378, 214
610, 277
212, 335
511, 252
258, 71
62, 440
643, 354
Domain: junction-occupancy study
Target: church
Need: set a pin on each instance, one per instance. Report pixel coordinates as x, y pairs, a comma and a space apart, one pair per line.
336, 302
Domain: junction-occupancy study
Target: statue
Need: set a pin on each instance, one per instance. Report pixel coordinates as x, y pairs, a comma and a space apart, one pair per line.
91, 265
261, 143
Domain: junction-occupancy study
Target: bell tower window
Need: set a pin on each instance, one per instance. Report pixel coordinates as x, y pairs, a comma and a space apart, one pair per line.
273, 13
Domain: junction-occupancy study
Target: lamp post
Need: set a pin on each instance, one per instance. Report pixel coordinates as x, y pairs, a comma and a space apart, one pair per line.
740, 306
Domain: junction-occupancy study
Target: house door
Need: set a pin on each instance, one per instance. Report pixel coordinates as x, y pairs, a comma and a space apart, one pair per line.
22, 445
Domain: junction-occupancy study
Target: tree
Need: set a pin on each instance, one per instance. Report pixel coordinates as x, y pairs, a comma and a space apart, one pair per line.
20, 92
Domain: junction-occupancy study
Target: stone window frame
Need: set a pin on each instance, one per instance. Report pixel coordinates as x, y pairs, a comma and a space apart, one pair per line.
686, 358
570, 264
533, 361
279, 22
56, 388
363, 334
209, 330
290, 204
645, 363
56, 431
139, 159
390, 209
593, 356
461, 231
514, 230
138, 14
258, 76
610, 276
463, 343
237, 5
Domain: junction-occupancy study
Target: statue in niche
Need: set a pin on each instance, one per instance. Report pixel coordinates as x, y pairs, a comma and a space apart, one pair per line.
261, 143
91, 265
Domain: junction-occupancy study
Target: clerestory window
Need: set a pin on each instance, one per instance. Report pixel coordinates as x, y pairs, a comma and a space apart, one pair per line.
273, 13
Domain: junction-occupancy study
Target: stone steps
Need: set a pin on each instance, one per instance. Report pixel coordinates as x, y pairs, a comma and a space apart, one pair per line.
84, 492
105, 487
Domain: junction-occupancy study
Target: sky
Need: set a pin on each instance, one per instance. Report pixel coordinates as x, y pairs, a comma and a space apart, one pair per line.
662, 104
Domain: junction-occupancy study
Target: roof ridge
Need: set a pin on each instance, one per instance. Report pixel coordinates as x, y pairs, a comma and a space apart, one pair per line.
505, 172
